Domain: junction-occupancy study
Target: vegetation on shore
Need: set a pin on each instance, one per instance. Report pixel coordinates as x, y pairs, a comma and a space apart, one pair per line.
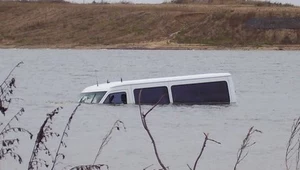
162, 26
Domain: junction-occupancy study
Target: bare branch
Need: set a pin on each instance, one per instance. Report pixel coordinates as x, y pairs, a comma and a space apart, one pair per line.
144, 122
202, 149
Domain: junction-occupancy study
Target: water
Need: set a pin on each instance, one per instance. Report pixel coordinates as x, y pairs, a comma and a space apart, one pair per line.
267, 86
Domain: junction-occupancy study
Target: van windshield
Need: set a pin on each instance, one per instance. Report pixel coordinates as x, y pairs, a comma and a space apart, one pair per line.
92, 97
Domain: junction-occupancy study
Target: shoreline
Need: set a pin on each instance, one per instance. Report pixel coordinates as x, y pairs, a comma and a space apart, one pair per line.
154, 46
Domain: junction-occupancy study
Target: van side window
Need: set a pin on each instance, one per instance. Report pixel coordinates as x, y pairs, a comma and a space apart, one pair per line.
116, 98
201, 93
152, 95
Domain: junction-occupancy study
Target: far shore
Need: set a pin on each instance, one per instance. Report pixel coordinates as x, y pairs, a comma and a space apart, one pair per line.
237, 26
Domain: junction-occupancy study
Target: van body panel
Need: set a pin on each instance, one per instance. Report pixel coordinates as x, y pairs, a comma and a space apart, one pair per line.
153, 86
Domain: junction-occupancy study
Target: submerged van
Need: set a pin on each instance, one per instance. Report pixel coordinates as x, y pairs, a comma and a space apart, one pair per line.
216, 88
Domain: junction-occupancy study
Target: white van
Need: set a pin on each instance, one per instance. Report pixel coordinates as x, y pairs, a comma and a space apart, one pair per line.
216, 88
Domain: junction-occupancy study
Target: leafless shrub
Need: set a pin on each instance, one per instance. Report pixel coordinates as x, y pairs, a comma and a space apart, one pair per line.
293, 145
61, 142
6, 90
202, 149
43, 135
245, 144
144, 122
8, 146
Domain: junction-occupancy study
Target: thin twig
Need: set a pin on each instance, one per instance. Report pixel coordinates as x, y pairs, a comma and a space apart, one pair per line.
189, 167
61, 142
148, 167
15, 117
292, 146
154, 105
245, 144
298, 155
11, 72
107, 137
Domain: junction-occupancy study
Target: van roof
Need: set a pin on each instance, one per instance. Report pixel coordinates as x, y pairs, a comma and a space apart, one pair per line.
107, 86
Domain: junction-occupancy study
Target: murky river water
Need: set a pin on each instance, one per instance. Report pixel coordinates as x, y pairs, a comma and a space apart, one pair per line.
267, 86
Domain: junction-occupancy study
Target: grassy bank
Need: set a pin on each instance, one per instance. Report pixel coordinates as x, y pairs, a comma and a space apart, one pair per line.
163, 26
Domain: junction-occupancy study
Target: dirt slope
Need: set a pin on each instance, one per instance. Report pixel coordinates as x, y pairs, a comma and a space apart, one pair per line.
64, 25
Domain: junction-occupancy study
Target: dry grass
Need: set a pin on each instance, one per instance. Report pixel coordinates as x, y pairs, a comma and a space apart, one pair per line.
113, 25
